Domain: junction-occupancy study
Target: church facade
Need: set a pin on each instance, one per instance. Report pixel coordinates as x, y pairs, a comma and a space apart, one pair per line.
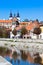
11, 22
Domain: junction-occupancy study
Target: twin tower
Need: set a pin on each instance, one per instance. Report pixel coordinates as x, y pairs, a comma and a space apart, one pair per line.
15, 16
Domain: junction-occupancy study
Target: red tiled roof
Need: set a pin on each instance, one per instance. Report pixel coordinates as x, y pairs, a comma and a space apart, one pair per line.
30, 25
5, 21
8, 21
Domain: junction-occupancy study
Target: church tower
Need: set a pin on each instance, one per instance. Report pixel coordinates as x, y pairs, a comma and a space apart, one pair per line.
18, 17
10, 17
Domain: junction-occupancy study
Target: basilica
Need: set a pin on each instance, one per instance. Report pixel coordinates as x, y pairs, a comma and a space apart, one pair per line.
11, 22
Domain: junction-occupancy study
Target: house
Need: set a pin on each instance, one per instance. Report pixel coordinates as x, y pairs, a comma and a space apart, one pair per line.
30, 27
11, 23
41, 35
6, 23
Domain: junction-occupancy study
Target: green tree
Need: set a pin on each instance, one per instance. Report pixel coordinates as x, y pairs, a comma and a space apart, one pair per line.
23, 31
0, 32
14, 32
37, 31
7, 34
4, 33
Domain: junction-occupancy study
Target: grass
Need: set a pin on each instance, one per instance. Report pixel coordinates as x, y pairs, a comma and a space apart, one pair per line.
12, 45
7, 40
6, 44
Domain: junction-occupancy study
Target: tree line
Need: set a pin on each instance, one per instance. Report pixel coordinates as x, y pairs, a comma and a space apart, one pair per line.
4, 33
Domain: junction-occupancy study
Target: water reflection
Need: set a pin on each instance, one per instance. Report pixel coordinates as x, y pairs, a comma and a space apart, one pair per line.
18, 57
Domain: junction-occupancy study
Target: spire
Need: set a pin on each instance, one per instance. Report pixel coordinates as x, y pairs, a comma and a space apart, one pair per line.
18, 14
10, 14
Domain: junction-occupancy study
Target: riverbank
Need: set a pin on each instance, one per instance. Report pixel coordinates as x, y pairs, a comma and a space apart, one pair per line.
32, 45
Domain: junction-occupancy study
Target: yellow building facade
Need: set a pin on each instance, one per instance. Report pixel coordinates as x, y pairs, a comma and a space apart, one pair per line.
41, 29
41, 35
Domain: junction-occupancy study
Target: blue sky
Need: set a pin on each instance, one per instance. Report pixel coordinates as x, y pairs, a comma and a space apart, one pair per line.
31, 9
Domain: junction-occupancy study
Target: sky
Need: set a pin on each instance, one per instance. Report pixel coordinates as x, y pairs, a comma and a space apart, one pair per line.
28, 9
